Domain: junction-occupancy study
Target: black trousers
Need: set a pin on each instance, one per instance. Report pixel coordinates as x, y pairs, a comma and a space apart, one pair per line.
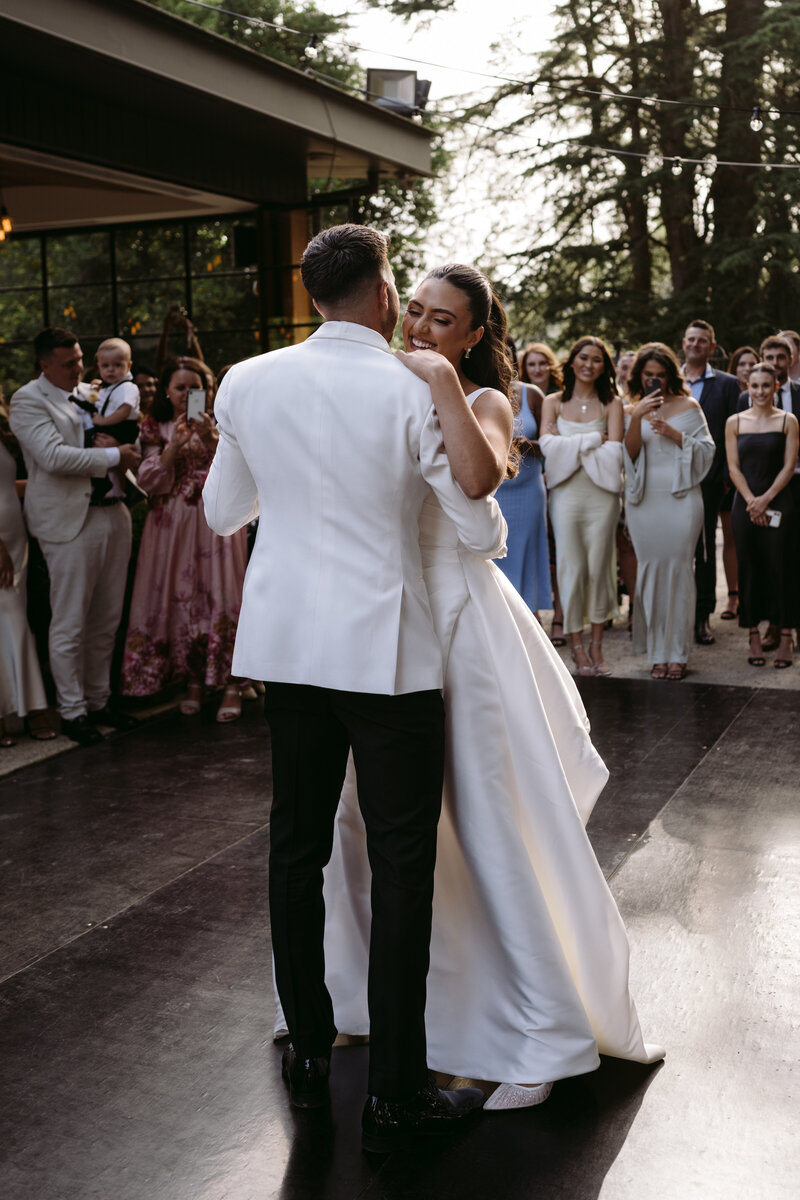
398, 750
705, 558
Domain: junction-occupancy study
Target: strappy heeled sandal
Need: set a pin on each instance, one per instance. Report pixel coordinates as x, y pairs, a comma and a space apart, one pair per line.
757, 659
191, 703
730, 614
230, 708
600, 668
557, 639
583, 669
782, 663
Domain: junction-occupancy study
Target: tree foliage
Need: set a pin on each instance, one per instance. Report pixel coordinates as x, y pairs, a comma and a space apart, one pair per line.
613, 241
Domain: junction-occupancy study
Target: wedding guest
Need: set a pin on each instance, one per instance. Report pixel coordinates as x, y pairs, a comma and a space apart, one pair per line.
523, 502
624, 368
717, 393
741, 363
188, 586
793, 337
22, 692
539, 367
85, 537
583, 427
776, 351
668, 451
762, 447
147, 385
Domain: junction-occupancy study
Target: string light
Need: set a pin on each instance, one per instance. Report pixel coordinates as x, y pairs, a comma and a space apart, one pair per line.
6, 224
312, 49
756, 123
677, 166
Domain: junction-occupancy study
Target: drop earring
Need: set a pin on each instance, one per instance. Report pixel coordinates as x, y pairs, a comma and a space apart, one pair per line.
468, 351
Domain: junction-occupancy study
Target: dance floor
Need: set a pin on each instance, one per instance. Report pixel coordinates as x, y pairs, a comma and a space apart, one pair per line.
136, 1058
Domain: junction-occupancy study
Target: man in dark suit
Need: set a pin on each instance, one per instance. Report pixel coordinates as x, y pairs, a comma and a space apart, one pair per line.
778, 351
717, 393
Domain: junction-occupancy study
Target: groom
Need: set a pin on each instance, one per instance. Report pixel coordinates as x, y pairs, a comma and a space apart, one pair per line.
335, 443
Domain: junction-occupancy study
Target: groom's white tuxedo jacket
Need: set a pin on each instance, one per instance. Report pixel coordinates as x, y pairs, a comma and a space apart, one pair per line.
335, 444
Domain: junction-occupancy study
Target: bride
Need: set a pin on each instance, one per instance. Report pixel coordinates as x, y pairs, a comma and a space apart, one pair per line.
529, 956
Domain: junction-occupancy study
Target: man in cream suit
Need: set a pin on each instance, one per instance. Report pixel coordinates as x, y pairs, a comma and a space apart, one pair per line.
336, 444
85, 538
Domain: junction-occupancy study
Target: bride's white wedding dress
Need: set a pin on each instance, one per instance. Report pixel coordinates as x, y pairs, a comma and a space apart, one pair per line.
529, 956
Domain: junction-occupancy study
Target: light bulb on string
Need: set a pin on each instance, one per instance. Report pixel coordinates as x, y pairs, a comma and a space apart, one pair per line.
756, 122
677, 166
312, 48
528, 89
6, 224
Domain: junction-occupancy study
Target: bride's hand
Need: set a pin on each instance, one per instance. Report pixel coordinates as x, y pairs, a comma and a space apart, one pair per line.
427, 364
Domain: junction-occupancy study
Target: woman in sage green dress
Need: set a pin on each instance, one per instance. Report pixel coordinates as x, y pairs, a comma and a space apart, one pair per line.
581, 434
668, 451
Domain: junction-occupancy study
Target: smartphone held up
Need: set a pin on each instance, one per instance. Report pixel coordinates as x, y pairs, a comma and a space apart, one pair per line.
195, 403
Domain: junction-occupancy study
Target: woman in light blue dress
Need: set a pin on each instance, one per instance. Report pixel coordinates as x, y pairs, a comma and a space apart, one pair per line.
523, 501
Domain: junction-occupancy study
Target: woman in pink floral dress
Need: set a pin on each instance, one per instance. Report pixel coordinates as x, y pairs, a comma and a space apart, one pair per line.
188, 586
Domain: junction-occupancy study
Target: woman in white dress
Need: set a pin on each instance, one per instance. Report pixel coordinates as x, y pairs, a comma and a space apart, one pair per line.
529, 957
668, 451
22, 692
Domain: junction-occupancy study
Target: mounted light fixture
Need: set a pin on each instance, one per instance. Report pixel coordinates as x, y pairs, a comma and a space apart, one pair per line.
399, 92
756, 121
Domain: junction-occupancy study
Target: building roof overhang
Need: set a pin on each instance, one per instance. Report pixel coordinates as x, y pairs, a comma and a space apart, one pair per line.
121, 111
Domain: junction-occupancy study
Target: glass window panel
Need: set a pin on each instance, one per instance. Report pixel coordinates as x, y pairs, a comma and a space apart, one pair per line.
79, 258
20, 262
224, 302
84, 310
212, 246
21, 315
142, 307
220, 348
149, 252
16, 367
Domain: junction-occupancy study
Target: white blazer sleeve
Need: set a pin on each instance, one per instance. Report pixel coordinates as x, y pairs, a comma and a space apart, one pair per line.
480, 524
230, 495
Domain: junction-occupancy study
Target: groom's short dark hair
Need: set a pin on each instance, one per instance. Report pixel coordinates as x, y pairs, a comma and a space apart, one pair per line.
338, 261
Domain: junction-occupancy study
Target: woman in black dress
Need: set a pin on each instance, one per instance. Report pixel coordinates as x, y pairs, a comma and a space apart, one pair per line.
761, 445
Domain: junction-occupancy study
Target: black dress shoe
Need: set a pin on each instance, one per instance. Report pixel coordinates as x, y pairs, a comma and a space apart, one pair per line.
81, 730
702, 633
388, 1125
113, 717
306, 1079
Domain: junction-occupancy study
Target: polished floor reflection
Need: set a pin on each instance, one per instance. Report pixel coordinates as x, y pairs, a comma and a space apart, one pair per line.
136, 1059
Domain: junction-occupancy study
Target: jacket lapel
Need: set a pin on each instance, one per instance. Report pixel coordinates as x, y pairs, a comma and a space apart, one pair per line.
64, 413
